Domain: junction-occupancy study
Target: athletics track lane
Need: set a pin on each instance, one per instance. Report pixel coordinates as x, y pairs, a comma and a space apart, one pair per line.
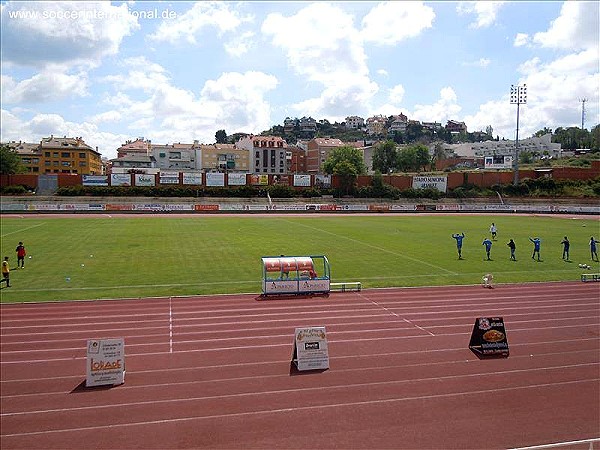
401, 374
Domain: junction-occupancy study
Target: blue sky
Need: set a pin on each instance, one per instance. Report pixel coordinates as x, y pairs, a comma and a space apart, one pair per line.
114, 71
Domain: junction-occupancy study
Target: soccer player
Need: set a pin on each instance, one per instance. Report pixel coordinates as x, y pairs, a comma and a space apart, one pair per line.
459, 238
21, 255
6, 271
536, 247
511, 244
566, 244
593, 250
488, 247
493, 230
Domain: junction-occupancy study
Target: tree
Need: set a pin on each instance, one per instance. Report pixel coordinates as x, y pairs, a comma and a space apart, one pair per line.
413, 158
421, 156
346, 162
221, 137
385, 156
10, 163
542, 132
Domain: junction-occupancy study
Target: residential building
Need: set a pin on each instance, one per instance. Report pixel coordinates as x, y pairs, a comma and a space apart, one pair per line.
289, 125
296, 159
267, 154
454, 126
177, 156
376, 125
318, 150
59, 155
225, 158
432, 126
355, 122
398, 124
134, 163
139, 146
308, 127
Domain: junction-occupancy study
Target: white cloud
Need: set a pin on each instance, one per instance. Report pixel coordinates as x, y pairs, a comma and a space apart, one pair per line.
45, 86
68, 33
383, 72
239, 45
444, 109
521, 39
322, 45
576, 28
486, 12
187, 27
107, 116
391, 22
397, 94
481, 62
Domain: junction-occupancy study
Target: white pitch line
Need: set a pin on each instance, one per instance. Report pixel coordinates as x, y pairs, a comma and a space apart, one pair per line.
381, 249
301, 408
393, 313
24, 229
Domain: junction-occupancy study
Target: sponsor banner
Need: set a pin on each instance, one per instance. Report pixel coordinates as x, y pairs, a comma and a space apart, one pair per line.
403, 208
292, 207
352, 207
310, 348
453, 207
425, 207
236, 179
94, 180
75, 206
192, 178
280, 287
256, 207
44, 207
323, 181
302, 180
14, 206
488, 338
120, 179
425, 182
313, 286
162, 207
261, 180
96, 207
142, 179
379, 208
231, 207
206, 207
105, 362
281, 180
119, 207
498, 162
215, 179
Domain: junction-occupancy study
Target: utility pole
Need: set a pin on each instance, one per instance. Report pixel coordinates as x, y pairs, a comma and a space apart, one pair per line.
518, 96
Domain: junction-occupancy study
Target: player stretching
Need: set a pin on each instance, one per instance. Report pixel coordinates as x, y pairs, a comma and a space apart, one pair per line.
459, 238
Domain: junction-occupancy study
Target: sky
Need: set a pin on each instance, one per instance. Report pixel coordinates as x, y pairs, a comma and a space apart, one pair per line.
180, 71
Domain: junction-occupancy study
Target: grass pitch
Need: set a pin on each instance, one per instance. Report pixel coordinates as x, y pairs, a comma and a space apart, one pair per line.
143, 256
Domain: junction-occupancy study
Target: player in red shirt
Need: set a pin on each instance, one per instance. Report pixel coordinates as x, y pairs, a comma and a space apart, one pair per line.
21, 255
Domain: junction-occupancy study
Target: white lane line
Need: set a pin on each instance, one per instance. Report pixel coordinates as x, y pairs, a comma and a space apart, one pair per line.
170, 326
286, 376
394, 314
304, 408
560, 444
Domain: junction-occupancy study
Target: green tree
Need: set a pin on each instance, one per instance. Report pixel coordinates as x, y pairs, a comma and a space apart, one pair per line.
542, 132
385, 156
595, 138
221, 137
10, 163
346, 162
421, 156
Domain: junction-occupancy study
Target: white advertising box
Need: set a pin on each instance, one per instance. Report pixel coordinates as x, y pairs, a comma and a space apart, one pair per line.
439, 183
120, 179
236, 179
215, 179
141, 179
105, 362
310, 348
192, 178
302, 180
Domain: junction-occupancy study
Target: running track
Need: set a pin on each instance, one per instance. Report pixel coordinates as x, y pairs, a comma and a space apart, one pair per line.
401, 375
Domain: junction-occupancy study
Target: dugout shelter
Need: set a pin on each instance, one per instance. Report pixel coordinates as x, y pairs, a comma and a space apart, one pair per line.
295, 275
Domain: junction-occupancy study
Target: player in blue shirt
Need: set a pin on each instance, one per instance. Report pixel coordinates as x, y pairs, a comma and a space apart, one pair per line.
459, 238
488, 247
536, 247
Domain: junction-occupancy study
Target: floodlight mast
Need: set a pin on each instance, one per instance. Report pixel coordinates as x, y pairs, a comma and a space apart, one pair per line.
518, 96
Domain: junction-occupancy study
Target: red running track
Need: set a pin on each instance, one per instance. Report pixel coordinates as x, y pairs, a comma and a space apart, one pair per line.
401, 374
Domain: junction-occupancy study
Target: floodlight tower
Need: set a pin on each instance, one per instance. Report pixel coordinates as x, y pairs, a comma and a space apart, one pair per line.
518, 96
583, 100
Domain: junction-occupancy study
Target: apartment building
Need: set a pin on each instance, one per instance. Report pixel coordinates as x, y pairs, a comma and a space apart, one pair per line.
225, 158
454, 126
59, 155
354, 122
138, 146
267, 154
376, 125
318, 150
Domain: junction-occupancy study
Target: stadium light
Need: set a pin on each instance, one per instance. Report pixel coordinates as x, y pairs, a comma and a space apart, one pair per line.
518, 96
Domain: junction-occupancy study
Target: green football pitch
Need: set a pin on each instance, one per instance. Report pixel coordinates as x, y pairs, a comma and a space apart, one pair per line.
144, 256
